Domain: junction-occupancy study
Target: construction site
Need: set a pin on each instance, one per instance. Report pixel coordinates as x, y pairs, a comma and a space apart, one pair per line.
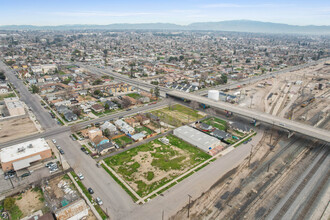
282, 178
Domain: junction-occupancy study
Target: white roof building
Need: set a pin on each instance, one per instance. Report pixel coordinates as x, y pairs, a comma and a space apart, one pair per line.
196, 138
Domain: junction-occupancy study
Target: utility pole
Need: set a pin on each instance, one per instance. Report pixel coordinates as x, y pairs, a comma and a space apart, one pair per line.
189, 196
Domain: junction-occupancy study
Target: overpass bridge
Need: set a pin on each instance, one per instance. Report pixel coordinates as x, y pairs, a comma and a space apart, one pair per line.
287, 124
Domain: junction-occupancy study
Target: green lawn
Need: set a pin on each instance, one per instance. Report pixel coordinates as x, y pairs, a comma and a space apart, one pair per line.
177, 115
134, 95
142, 128
122, 141
216, 123
179, 156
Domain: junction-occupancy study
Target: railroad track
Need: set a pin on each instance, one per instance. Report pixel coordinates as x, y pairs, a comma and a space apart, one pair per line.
303, 183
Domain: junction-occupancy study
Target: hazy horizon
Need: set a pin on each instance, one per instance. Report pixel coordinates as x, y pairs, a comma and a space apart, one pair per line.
101, 12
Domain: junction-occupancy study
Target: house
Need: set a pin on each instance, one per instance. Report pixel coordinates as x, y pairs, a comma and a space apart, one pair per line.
130, 100
97, 108
205, 127
105, 148
112, 105
92, 133
240, 127
70, 116
82, 92
144, 99
132, 122
124, 127
220, 134
138, 136
108, 125
75, 210
143, 119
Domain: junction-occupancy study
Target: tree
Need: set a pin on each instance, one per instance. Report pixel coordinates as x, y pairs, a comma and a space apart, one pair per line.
76, 110
157, 92
97, 92
2, 75
106, 106
152, 91
35, 89
9, 203
125, 103
107, 133
224, 78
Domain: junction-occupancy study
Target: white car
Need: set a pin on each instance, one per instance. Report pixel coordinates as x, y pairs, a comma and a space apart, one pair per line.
81, 177
99, 201
54, 141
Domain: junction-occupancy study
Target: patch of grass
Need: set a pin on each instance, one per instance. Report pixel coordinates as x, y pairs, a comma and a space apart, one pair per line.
177, 115
134, 95
216, 123
184, 177
201, 167
15, 213
245, 139
150, 175
122, 141
163, 156
142, 128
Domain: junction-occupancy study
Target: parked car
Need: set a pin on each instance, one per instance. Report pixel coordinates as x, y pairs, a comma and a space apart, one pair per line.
98, 164
98, 201
54, 141
26, 174
90, 190
49, 164
73, 138
81, 177
61, 151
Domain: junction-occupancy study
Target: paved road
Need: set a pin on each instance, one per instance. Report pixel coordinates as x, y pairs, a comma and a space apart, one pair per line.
290, 125
51, 132
31, 100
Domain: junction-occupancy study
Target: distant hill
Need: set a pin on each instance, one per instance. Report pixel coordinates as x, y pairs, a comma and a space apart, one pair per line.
236, 25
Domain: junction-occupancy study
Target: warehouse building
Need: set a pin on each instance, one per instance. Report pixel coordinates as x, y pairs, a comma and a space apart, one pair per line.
194, 137
22, 156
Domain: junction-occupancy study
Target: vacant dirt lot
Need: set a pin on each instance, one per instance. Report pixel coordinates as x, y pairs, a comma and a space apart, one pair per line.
30, 201
16, 128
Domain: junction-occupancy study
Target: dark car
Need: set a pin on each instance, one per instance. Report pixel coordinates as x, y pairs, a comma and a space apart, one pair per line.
61, 151
90, 190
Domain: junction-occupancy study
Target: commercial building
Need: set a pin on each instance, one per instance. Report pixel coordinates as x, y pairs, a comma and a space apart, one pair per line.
14, 106
21, 156
196, 138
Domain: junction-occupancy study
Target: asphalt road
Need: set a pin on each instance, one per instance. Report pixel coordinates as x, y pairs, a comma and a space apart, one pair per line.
55, 131
31, 100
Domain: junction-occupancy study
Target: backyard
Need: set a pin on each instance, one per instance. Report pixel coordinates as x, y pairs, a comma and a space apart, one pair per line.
142, 128
122, 141
134, 95
178, 115
216, 123
151, 165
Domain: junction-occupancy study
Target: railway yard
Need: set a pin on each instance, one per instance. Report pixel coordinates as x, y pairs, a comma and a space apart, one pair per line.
283, 178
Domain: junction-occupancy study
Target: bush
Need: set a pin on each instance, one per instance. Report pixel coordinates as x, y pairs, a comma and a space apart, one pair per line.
9, 203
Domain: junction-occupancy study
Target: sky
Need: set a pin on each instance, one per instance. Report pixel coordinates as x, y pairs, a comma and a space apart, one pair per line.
61, 12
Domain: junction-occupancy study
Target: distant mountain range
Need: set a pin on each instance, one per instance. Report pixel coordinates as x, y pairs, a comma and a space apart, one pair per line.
235, 25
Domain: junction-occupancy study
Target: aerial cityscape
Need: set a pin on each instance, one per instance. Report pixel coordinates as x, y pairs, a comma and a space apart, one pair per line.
164, 110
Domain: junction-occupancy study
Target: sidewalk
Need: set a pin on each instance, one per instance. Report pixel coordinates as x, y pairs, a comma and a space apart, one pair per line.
97, 215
